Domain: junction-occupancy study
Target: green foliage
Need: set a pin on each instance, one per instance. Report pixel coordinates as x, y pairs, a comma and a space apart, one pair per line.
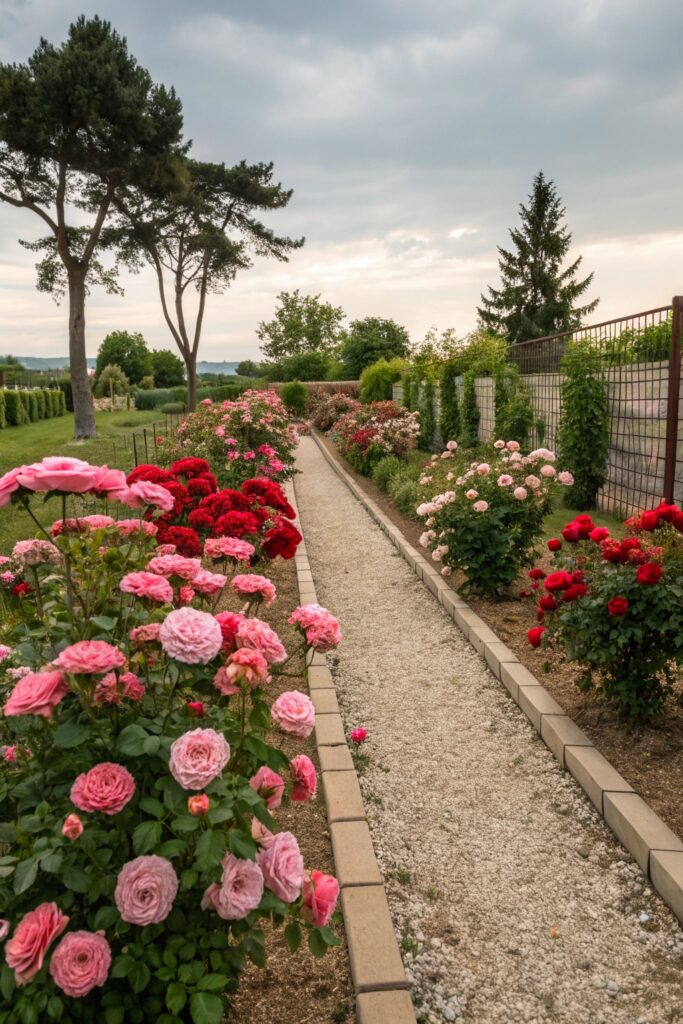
584, 424
15, 410
469, 432
248, 368
376, 380
385, 469
3, 419
146, 384
155, 398
167, 369
449, 420
64, 384
537, 296
403, 491
407, 391
637, 345
427, 415
372, 339
301, 323
41, 403
302, 366
514, 412
33, 406
127, 351
112, 381
295, 397
336, 371
174, 408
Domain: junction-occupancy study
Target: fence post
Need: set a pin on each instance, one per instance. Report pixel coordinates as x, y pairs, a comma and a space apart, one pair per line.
135, 449
673, 396
144, 434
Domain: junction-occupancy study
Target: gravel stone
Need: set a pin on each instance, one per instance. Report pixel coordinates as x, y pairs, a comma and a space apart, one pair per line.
475, 825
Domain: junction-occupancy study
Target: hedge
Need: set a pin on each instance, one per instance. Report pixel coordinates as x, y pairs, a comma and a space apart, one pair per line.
154, 398
3, 421
19, 407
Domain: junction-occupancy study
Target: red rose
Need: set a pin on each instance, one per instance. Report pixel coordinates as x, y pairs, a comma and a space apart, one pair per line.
185, 539
547, 603
598, 534
617, 606
269, 493
677, 522
667, 512
578, 576
540, 615
578, 529
200, 519
282, 539
554, 544
236, 524
534, 635
198, 487
196, 708
649, 573
148, 472
558, 581
536, 574
21, 589
649, 521
575, 591
190, 467
629, 543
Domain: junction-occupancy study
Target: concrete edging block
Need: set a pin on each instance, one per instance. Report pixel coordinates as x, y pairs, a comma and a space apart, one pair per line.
559, 732
639, 829
376, 963
497, 653
666, 871
391, 1007
343, 796
535, 701
319, 678
325, 701
335, 759
595, 774
329, 730
354, 854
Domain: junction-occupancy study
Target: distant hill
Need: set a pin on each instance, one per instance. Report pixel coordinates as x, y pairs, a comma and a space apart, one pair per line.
59, 362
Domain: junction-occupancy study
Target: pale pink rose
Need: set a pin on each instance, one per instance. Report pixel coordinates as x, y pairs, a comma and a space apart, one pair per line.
152, 494
7, 577
259, 636
425, 538
19, 672
4, 928
5, 653
483, 469
228, 547
239, 892
254, 587
504, 480
72, 827
145, 890
198, 805
133, 689
321, 893
149, 585
260, 834
166, 549
480, 506
548, 471
269, 785
191, 636
57, 473
541, 453
244, 665
499, 444
147, 634
107, 690
283, 867
446, 571
512, 446
32, 937
302, 771
319, 626
107, 480
185, 595
566, 478
129, 526
89, 657
107, 787
198, 757
37, 693
519, 493
451, 445
471, 494
210, 583
35, 552
294, 713
9, 483
175, 565
533, 482
446, 455
80, 963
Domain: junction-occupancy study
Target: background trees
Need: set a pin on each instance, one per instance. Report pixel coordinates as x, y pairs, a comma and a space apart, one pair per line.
301, 323
536, 296
127, 351
371, 339
167, 369
76, 122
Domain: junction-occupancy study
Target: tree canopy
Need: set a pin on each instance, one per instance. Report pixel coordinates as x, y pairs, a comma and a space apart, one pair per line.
536, 296
371, 339
301, 323
127, 351
167, 369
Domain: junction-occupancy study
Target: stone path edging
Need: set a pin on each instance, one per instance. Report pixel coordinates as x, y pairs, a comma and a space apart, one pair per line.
379, 979
658, 851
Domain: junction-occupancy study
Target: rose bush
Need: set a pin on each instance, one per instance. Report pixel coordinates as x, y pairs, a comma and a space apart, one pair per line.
140, 854
368, 433
489, 516
615, 607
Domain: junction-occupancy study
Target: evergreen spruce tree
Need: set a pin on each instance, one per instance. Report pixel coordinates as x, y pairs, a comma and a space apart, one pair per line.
536, 296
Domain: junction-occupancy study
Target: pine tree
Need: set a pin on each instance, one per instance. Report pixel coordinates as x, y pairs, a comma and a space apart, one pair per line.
536, 296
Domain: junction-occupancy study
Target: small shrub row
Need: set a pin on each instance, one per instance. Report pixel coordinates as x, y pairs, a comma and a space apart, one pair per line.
20, 407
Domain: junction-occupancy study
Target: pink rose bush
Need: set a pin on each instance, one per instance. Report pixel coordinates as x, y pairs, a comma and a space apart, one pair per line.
140, 737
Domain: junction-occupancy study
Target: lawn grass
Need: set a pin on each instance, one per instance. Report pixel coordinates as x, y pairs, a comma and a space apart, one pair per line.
32, 442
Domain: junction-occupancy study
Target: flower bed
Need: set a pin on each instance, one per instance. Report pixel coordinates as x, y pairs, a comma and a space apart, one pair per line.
140, 772
368, 433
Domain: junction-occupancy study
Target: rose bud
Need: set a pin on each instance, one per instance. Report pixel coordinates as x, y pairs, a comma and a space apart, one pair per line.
196, 708
72, 827
198, 804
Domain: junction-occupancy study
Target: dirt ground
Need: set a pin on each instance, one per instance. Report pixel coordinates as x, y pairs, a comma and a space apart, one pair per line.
649, 757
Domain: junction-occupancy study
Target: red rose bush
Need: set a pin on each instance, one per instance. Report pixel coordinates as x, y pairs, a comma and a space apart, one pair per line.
615, 607
140, 777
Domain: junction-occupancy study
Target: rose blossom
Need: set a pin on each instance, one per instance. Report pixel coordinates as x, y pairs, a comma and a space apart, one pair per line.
499, 444
35, 552
254, 588
175, 565
269, 785
483, 469
145, 890
9, 483
210, 583
149, 585
4, 928
548, 471
56, 473
147, 634
304, 777
480, 506
107, 787
261, 637
283, 867
239, 892
87, 657
80, 963
504, 480
358, 735
320, 626
37, 693
321, 893
565, 478
198, 805
191, 636
32, 937
294, 713
229, 623
244, 665
144, 492
617, 605
72, 827
512, 446
520, 493
126, 527
471, 494
198, 757
451, 445
228, 547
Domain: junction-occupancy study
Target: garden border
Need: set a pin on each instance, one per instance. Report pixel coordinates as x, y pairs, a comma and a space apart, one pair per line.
377, 971
658, 851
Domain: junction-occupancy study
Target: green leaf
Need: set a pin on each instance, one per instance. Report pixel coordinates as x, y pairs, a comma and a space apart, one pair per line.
8, 832
55, 1007
188, 878
70, 734
76, 879
105, 918
25, 875
329, 937
213, 983
206, 1008
151, 745
176, 997
152, 806
121, 966
210, 848
114, 1015
293, 935
241, 844
131, 740
185, 823
223, 812
316, 943
7, 982
52, 863
104, 622
139, 976
146, 836
172, 848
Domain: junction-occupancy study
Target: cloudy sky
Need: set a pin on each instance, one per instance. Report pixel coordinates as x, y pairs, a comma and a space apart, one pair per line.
409, 132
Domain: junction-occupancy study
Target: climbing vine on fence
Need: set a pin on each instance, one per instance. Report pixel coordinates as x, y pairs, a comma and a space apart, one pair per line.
584, 425
469, 432
449, 422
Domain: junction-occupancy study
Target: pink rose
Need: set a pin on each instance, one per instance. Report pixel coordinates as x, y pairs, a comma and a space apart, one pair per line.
145, 890
198, 805
320, 898
185, 595
175, 565
198, 757
566, 478
259, 636
483, 469
149, 585
548, 471
254, 588
358, 735
72, 827
37, 693
133, 689
512, 446
87, 657
480, 506
35, 552
148, 493
107, 480
107, 787
499, 444
260, 834
32, 937
9, 483
80, 963
294, 713
244, 666
319, 626
283, 867
471, 494
269, 785
4, 928
533, 482
239, 892
191, 636
56, 473
147, 634
210, 583
519, 493
304, 778
504, 480
129, 526
228, 547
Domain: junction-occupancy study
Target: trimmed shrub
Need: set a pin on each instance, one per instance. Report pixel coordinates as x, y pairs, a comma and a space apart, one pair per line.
41, 402
15, 410
49, 405
26, 402
64, 385
403, 491
172, 408
33, 412
59, 400
376, 380
385, 469
294, 394
156, 397
3, 421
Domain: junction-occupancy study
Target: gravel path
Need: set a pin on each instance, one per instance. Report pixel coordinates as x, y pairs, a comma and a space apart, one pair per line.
511, 899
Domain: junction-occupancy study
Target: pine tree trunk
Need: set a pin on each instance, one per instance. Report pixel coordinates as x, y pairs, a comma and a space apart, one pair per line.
84, 413
191, 367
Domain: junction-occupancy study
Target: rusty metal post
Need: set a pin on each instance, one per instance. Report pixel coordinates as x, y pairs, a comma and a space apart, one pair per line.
673, 397
135, 449
144, 434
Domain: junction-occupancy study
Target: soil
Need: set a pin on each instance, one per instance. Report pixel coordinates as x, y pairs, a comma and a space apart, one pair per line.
297, 988
648, 756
